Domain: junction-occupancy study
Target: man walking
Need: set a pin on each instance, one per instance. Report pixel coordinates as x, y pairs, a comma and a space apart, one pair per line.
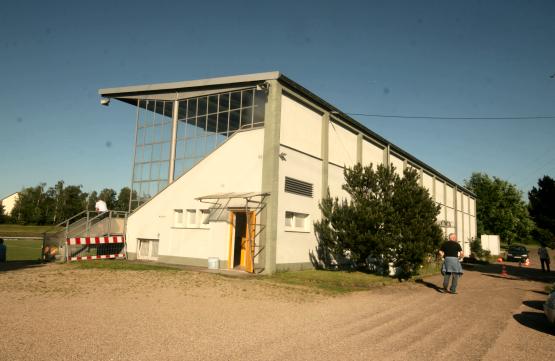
544, 258
451, 269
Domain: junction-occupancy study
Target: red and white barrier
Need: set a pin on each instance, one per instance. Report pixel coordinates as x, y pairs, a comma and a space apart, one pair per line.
104, 256
87, 248
95, 240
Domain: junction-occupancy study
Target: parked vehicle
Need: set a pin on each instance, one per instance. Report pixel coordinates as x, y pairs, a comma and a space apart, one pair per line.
517, 253
549, 308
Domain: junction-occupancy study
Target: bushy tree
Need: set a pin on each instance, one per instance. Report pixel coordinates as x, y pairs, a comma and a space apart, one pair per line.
2, 215
122, 203
387, 216
108, 195
500, 208
542, 210
91, 200
31, 205
414, 219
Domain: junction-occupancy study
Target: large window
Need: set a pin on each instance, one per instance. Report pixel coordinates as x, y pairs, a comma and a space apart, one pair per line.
206, 122
203, 123
152, 149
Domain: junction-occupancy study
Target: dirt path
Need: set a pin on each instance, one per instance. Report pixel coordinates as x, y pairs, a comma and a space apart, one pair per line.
56, 313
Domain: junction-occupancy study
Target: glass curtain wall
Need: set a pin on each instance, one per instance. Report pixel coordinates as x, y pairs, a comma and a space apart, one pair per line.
152, 149
203, 124
206, 122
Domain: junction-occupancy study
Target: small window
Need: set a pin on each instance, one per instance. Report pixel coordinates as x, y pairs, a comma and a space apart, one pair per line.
296, 221
204, 217
191, 217
299, 187
289, 219
178, 218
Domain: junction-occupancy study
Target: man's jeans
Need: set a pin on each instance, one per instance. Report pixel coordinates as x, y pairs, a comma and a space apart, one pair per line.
453, 282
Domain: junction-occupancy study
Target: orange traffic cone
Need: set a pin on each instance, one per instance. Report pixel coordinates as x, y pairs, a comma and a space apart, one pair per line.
527, 262
503, 271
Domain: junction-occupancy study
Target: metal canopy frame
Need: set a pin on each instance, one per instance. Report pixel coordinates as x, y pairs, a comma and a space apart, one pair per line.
249, 198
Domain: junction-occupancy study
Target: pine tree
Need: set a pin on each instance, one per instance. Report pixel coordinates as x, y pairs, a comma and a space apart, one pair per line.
387, 217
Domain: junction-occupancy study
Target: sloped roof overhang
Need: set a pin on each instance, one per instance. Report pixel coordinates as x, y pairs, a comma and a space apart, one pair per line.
191, 88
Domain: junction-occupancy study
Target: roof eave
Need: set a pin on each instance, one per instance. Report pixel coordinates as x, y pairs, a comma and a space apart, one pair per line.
236, 79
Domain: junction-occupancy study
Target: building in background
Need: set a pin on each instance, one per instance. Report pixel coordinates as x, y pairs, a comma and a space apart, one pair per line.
9, 202
232, 170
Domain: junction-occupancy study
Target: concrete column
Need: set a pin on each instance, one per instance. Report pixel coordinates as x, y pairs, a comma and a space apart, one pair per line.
434, 188
325, 152
270, 177
456, 210
386, 156
174, 139
359, 148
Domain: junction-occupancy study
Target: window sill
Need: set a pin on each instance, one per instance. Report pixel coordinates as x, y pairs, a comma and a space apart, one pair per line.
292, 230
189, 227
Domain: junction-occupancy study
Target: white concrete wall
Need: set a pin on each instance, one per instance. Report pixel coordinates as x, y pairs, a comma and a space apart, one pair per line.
450, 196
371, 154
440, 191
236, 166
301, 127
336, 180
8, 203
293, 246
342, 145
398, 163
428, 183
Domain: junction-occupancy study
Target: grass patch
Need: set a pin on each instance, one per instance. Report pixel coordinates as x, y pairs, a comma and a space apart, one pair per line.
121, 265
335, 282
23, 249
429, 269
17, 230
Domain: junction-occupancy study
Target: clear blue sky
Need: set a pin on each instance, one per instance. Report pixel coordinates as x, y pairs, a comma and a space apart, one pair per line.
416, 58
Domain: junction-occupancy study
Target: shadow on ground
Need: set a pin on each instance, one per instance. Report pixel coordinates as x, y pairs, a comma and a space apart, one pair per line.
536, 321
17, 265
513, 272
429, 285
537, 305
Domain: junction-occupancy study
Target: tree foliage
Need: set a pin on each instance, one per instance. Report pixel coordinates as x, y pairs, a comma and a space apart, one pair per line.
388, 217
542, 210
3, 216
41, 205
122, 203
500, 208
108, 195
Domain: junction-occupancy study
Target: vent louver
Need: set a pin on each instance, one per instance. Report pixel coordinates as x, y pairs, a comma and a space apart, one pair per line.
299, 187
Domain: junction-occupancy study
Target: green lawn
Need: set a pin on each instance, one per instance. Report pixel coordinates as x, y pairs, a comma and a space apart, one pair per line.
334, 282
17, 230
121, 265
23, 249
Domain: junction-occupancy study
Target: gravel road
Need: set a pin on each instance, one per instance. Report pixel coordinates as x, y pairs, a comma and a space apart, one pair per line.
55, 312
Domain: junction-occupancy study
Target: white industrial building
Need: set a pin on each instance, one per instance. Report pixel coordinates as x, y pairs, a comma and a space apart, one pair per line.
9, 202
233, 169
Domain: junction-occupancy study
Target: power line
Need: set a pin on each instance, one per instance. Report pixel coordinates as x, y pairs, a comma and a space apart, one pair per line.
452, 118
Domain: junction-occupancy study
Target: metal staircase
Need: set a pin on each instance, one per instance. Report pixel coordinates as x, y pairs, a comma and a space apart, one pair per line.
85, 224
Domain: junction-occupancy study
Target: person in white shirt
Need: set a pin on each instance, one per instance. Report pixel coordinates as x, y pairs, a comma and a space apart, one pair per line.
101, 206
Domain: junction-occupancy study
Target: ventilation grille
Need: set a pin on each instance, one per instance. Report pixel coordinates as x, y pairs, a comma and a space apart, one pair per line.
296, 186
